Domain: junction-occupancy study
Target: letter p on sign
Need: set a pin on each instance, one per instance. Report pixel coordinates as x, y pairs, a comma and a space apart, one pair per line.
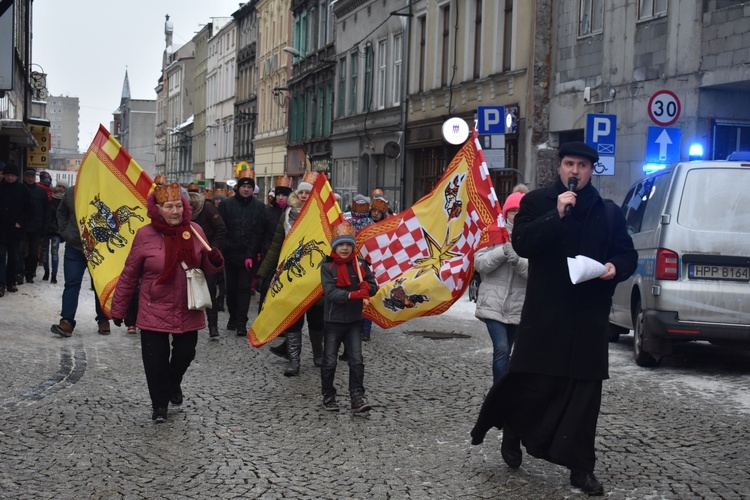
491, 120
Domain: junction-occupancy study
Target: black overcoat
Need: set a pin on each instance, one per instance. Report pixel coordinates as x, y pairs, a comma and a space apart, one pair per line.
563, 330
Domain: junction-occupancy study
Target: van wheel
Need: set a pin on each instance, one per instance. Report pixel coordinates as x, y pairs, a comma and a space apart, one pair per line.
615, 331
642, 358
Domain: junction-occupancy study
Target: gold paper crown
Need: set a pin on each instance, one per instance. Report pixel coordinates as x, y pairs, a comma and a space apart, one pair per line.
220, 191
310, 177
283, 181
208, 193
360, 206
193, 187
380, 204
163, 194
160, 180
343, 229
377, 193
248, 173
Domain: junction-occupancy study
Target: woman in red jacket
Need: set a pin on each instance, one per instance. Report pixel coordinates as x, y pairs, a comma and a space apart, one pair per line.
155, 258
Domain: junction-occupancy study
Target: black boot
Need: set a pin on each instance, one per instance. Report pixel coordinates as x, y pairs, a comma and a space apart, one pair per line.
53, 279
316, 341
294, 346
212, 317
281, 350
510, 449
587, 482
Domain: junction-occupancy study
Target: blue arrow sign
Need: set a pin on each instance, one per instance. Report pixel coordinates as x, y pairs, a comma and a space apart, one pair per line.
663, 145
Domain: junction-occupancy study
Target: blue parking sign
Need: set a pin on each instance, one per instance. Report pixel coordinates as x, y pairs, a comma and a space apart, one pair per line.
491, 120
601, 133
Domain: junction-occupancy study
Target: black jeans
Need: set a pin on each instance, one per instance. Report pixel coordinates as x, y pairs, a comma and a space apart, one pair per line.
239, 283
33, 246
162, 370
351, 335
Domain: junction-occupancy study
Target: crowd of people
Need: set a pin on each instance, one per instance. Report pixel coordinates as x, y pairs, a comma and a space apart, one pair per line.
29, 234
548, 335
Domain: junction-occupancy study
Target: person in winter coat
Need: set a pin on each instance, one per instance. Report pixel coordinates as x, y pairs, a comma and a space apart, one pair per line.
274, 210
207, 217
503, 288
292, 346
246, 232
345, 288
156, 258
551, 395
75, 265
51, 250
15, 203
38, 223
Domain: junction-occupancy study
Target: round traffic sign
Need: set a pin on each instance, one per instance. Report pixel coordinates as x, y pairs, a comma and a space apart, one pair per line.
664, 108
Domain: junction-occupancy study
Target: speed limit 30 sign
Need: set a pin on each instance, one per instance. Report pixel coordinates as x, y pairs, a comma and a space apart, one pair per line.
664, 108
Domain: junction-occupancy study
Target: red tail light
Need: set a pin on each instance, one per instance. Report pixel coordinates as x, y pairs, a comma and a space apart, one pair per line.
667, 264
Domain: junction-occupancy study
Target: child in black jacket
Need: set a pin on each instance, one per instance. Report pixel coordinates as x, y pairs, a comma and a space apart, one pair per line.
346, 287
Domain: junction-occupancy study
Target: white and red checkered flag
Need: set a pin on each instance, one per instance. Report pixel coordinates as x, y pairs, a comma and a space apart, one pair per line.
423, 258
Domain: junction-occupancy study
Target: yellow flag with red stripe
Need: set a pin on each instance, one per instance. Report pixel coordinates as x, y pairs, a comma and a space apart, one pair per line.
110, 207
295, 285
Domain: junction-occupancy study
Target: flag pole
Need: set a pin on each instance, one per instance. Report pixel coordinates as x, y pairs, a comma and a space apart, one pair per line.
200, 238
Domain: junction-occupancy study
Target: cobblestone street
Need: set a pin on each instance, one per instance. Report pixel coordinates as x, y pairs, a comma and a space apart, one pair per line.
76, 419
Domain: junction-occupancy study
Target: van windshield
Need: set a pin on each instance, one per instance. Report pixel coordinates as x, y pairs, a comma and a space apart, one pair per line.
716, 199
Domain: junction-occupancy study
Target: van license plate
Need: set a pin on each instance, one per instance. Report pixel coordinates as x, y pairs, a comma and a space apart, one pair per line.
729, 273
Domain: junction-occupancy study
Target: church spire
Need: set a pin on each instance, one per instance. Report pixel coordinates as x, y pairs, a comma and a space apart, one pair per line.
125, 88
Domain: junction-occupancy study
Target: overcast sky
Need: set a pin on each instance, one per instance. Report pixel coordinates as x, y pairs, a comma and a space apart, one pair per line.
85, 46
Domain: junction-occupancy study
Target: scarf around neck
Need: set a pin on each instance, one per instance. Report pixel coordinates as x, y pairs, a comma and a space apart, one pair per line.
178, 242
342, 272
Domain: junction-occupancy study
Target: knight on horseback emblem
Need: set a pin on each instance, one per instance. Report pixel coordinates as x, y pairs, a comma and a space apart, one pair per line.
292, 265
103, 226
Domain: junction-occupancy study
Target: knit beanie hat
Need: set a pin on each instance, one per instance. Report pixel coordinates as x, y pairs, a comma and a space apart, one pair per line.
307, 182
512, 202
343, 233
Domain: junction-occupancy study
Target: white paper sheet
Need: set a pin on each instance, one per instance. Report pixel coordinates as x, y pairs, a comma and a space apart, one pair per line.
582, 268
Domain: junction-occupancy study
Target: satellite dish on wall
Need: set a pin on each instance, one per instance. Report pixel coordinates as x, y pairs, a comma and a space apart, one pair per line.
392, 150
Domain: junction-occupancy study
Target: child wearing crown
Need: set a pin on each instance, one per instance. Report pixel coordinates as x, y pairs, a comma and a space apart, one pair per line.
347, 283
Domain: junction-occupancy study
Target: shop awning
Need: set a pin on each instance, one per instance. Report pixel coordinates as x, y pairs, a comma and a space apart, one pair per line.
17, 132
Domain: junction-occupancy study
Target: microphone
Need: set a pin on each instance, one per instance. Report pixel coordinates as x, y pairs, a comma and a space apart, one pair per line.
572, 183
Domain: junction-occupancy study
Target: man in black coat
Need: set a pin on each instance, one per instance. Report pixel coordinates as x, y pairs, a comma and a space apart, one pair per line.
551, 397
38, 223
244, 217
15, 204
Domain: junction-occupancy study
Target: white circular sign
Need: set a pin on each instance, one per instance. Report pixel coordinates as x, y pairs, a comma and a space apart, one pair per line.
455, 130
231, 183
664, 108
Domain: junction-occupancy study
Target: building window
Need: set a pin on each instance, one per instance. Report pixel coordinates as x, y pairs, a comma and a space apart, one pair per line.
353, 82
478, 38
322, 24
327, 111
382, 58
445, 14
319, 112
508, 35
309, 114
367, 102
651, 8
422, 41
342, 87
303, 34
398, 48
590, 17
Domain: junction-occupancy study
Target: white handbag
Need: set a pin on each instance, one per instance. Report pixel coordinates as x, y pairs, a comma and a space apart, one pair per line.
198, 296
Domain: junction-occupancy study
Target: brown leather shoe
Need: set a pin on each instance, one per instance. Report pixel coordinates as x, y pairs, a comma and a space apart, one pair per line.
104, 328
64, 328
